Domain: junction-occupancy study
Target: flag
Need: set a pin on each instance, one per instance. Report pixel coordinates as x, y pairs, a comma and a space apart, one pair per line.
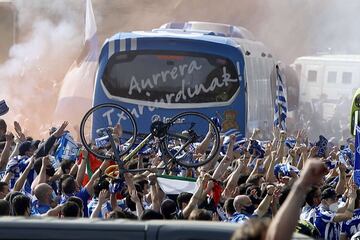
240, 141
75, 96
357, 157
290, 142
67, 149
176, 185
280, 110
322, 145
3, 107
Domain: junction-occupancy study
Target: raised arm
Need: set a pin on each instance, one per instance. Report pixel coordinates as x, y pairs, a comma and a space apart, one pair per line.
212, 163
41, 178
19, 139
340, 186
89, 186
256, 168
21, 180
270, 177
45, 148
139, 207
202, 181
201, 148
265, 203
102, 200
7, 150
340, 217
234, 176
155, 195
81, 170
281, 146
226, 161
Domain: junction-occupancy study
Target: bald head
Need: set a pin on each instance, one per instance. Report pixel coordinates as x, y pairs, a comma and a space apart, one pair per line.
43, 192
240, 201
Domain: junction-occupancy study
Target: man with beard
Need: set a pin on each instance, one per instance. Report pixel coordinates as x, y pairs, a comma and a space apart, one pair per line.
245, 208
46, 199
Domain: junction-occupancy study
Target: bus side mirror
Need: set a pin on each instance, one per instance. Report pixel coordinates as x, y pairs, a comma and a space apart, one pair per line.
355, 110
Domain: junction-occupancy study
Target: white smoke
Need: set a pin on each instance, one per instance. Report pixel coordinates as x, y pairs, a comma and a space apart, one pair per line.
30, 77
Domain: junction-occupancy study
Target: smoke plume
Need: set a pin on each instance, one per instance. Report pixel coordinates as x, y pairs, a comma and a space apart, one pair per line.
50, 38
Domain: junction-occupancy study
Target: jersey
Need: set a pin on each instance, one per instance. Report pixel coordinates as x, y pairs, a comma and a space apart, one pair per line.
328, 229
83, 195
105, 208
239, 218
308, 214
352, 226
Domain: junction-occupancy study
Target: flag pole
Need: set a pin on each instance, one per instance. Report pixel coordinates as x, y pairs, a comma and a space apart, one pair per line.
279, 112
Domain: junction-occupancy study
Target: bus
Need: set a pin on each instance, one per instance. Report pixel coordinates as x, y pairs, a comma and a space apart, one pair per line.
216, 69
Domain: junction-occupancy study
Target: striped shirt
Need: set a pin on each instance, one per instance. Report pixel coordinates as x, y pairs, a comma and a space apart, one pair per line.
328, 229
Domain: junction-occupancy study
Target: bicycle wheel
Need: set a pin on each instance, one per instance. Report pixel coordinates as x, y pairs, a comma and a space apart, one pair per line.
191, 139
105, 119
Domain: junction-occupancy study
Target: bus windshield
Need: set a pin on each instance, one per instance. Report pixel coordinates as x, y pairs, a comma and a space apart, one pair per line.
171, 77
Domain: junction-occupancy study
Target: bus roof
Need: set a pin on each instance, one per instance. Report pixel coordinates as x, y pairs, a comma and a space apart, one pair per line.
202, 31
330, 58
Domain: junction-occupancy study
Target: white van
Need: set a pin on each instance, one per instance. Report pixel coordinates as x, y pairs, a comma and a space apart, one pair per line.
327, 80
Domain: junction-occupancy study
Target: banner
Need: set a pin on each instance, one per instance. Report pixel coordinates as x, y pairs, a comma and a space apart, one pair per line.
67, 149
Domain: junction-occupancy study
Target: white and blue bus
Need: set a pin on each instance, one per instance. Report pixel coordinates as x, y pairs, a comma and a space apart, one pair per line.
215, 69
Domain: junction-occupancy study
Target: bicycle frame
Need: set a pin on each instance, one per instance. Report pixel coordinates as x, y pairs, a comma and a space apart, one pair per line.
145, 141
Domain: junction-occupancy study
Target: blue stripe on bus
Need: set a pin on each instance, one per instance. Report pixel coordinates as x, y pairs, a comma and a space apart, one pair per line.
128, 44
117, 45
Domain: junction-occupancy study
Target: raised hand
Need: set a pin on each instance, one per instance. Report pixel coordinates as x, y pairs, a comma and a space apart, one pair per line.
313, 151
60, 131
134, 196
270, 189
301, 134
118, 131
46, 161
312, 173
276, 132
19, 133
342, 168
282, 135
102, 196
9, 137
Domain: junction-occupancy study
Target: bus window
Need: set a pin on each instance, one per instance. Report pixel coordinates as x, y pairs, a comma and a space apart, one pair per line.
346, 77
171, 77
312, 76
332, 77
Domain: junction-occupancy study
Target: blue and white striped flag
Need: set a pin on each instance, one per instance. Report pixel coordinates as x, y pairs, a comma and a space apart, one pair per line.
357, 157
280, 110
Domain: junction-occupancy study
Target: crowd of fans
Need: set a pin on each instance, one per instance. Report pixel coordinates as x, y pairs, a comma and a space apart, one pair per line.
288, 184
